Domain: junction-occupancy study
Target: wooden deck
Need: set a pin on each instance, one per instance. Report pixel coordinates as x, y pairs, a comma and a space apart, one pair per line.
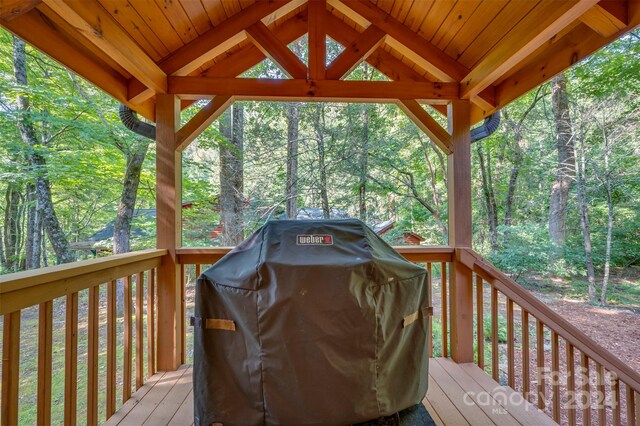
167, 399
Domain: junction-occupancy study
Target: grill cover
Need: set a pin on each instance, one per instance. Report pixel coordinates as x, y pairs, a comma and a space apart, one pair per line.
309, 323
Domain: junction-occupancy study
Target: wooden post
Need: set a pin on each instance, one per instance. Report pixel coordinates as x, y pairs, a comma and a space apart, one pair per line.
168, 223
459, 190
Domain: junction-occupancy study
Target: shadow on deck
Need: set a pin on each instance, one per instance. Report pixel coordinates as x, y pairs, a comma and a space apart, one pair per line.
459, 394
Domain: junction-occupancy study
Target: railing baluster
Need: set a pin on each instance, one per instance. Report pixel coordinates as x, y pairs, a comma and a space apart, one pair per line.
631, 413
480, 321
615, 399
92, 356
540, 361
45, 344
128, 341
555, 370
510, 345
139, 329
183, 333
571, 384
602, 414
10, 368
525, 354
636, 399
494, 334
151, 326
445, 318
430, 296
71, 360
111, 348
586, 390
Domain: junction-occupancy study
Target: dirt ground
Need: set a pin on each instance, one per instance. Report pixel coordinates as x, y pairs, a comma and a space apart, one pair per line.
616, 329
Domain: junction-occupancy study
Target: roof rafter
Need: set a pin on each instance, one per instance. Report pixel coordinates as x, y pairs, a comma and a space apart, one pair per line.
98, 27
334, 90
216, 41
434, 60
35, 29
357, 51
271, 46
317, 39
427, 124
10, 9
202, 120
540, 67
380, 59
607, 17
542, 22
410, 44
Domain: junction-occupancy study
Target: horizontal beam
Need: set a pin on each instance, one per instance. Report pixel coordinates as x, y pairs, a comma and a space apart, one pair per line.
329, 90
427, 124
202, 120
419, 254
99, 28
537, 27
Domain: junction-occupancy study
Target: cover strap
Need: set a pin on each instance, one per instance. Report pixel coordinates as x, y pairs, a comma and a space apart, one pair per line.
427, 311
213, 323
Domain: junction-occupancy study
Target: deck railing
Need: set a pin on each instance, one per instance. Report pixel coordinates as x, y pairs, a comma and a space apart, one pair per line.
84, 281
596, 395
435, 258
515, 335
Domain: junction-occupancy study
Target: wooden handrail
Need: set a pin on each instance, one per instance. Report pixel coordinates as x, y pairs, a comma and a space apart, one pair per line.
210, 255
27, 288
546, 315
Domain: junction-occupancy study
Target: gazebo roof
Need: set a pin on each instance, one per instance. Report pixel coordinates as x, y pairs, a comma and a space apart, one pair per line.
488, 51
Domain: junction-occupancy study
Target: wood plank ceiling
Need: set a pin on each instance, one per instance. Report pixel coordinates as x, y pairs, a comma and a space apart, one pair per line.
489, 51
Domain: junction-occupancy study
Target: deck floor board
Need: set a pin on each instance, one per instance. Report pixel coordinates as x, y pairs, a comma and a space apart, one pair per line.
459, 394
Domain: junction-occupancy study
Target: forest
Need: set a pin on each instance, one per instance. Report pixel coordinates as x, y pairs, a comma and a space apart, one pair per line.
556, 189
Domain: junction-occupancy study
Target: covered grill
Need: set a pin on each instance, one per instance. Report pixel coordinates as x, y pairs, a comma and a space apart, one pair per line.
309, 323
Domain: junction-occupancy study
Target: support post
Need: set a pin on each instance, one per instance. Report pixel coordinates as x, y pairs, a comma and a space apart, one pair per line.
460, 231
168, 225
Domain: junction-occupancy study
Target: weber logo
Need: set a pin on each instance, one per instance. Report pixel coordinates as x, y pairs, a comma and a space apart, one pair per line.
314, 240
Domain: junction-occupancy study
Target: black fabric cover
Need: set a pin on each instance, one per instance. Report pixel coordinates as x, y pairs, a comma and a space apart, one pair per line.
319, 336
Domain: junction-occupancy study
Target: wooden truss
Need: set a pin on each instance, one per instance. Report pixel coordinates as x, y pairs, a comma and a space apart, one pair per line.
545, 41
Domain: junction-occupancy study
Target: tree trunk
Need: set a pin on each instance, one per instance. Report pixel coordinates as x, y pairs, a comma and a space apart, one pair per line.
3, 259
37, 162
127, 205
291, 192
607, 177
363, 163
12, 227
33, 245
489, 198
319, 125
513, 178
566, 162
231, 177
581, 193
